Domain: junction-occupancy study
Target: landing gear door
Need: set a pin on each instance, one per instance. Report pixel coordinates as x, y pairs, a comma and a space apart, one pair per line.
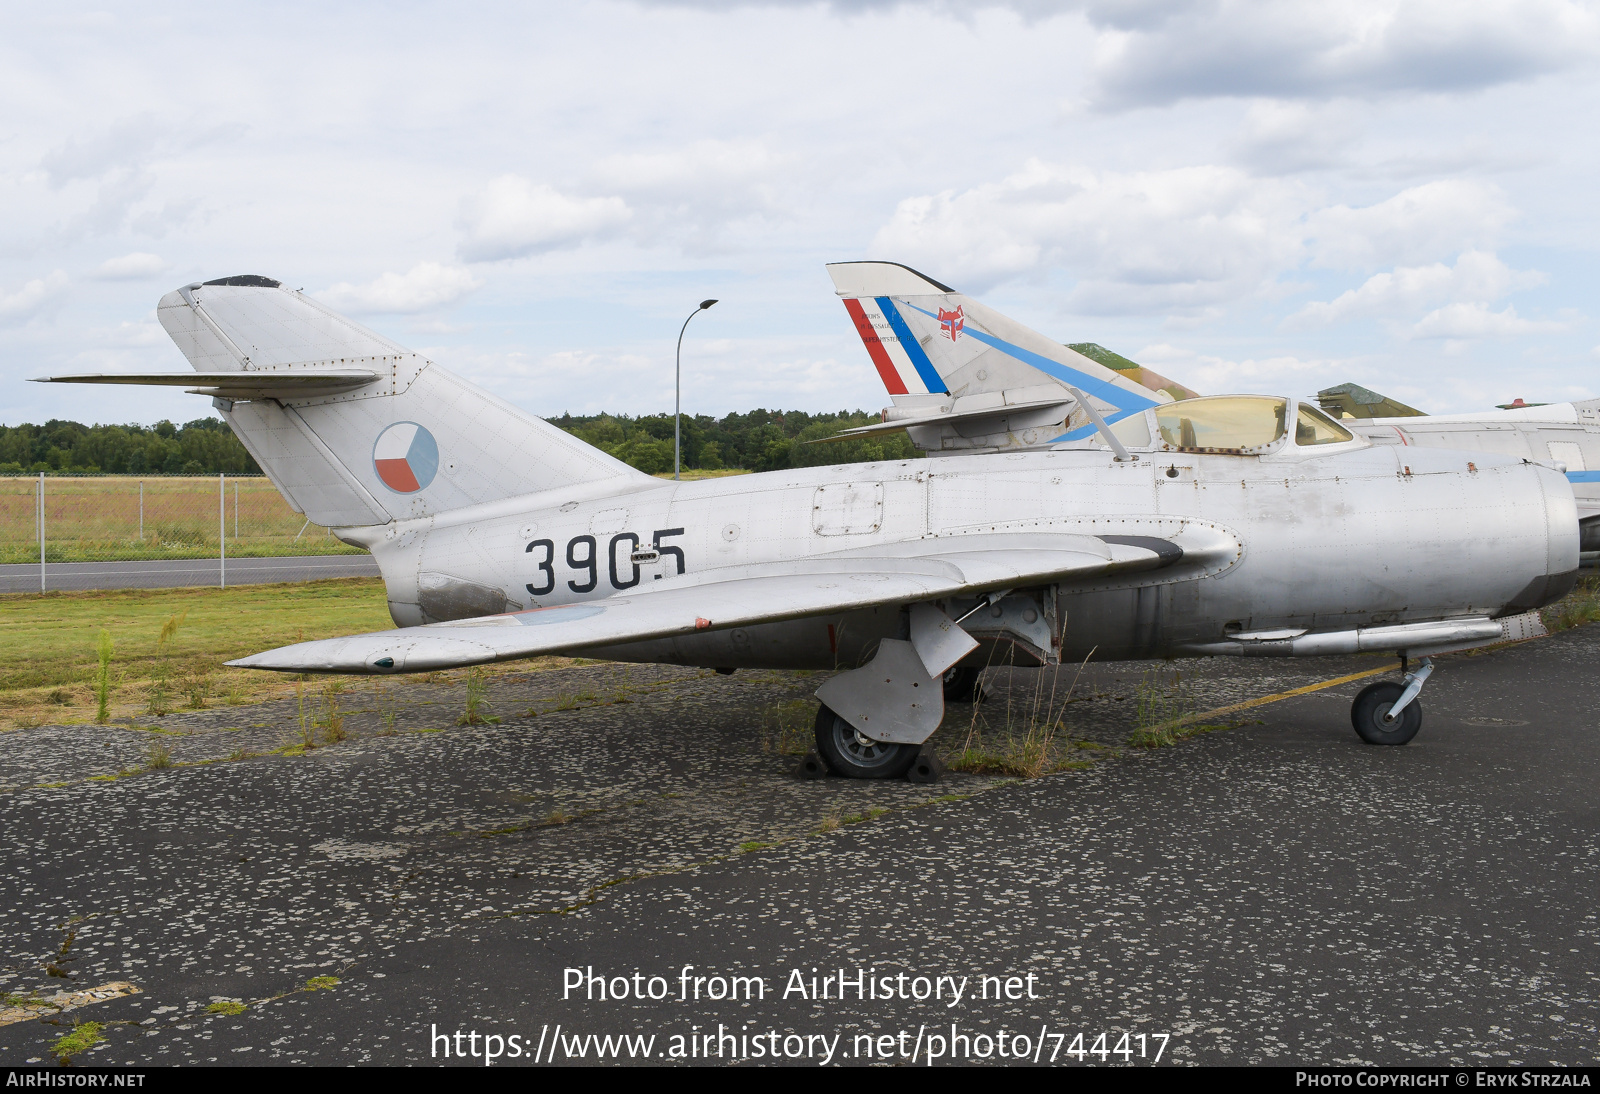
1024, 628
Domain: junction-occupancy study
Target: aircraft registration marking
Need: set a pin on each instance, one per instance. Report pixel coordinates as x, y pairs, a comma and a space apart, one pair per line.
589, 560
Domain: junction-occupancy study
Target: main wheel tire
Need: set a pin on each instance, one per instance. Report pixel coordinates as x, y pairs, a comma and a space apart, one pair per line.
848, 753
1374, 701
961, 684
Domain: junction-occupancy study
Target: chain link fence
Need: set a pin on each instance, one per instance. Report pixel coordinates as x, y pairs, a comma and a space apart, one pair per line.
158, 531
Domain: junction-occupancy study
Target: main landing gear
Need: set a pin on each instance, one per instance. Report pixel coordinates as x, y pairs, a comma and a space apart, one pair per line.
848, 753
961, 684
1387, 713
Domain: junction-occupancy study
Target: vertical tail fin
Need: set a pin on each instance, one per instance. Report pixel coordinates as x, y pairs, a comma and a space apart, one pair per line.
413, 441
926, 339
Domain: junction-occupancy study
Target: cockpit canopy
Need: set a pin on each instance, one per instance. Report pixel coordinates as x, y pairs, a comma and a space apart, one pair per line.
1237, 425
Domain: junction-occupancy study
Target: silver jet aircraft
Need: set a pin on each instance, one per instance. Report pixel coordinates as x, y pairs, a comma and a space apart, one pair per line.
1250, 525
980, 393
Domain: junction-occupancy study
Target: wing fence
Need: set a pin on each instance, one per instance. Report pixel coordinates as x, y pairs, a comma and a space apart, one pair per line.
62, 531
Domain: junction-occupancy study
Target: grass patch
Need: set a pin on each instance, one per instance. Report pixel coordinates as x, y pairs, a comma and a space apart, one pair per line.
226, 1007
321, 983
166, 637
1580, 606
790, 730
1162, 702
1030, 740
331, 718
752, 845
102, 677
158, 756
477, 706
569, 700
82, 1038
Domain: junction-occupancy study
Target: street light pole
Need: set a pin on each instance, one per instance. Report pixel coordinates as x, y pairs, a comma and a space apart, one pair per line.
677, 394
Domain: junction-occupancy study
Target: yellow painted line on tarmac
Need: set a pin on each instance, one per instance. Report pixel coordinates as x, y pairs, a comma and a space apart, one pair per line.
1265, 699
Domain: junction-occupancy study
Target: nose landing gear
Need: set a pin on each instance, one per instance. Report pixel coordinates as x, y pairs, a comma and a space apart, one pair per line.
1387, 713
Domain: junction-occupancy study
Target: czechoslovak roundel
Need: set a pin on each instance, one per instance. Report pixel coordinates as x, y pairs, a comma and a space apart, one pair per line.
406, 457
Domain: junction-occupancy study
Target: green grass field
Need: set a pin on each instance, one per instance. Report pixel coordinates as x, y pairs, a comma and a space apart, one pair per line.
96, 518
47, 643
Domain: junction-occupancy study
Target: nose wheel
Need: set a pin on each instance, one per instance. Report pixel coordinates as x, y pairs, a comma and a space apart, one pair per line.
1387, 713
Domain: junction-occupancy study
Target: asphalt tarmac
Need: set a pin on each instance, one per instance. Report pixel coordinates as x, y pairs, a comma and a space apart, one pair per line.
1273, 892
180, 573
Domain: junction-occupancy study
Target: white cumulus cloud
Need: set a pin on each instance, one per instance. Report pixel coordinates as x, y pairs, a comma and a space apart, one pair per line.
513, 217
1160, 53
1475, 320
426, 285
32, 296
1477, 276
1419, 223
129, 266
1181, 238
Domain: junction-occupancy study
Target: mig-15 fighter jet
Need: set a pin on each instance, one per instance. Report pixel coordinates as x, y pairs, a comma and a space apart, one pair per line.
1242, 524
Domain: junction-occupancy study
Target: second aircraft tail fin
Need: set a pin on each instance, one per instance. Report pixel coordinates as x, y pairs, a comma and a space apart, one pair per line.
926, 340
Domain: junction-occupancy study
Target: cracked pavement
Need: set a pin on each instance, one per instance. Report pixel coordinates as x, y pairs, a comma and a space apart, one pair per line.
1274, 892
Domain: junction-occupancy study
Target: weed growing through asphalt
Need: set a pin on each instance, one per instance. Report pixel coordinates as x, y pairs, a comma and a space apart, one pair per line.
388, 706
831, 822
1164, 711
1031, 741
81, 1039
477, 700
1161, 701
321, 983
556, 816
227, 1006
331, 719
305, 717
790, 732
158, 756
570, 700
102, 676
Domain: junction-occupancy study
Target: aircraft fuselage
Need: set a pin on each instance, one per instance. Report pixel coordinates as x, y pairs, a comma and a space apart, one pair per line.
1298, 539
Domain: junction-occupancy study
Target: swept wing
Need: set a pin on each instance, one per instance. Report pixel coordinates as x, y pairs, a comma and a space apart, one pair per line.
732, 597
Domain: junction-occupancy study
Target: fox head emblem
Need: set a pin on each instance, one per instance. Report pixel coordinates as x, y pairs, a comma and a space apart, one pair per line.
951, 323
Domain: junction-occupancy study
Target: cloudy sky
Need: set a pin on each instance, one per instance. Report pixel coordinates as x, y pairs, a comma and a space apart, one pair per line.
1267, 196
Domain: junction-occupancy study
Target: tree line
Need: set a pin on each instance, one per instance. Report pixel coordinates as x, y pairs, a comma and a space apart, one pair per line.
761, 440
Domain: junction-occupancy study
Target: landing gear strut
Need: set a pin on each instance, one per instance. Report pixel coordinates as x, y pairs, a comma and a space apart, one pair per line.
1387, 713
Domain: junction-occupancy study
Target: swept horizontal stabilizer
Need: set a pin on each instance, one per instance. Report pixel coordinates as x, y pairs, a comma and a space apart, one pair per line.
256, 384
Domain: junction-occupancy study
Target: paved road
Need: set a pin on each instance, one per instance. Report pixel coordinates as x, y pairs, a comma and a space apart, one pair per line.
176, 573
1276, 892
